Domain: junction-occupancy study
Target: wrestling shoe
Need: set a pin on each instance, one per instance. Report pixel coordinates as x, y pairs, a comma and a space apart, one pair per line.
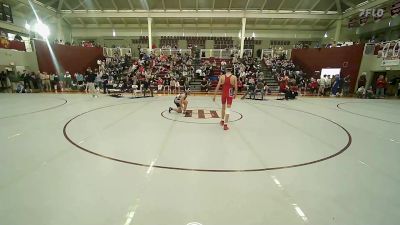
221, 123
170, 109
226, 127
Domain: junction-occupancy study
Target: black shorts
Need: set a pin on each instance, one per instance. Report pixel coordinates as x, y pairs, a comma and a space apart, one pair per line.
177, 104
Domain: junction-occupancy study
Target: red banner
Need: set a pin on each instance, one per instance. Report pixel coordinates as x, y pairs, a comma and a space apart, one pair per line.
363, 20
395, 10
16, 45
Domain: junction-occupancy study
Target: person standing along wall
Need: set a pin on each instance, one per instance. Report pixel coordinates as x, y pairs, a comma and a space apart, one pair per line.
380, 86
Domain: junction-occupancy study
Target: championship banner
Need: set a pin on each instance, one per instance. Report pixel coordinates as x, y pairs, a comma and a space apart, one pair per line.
16, 45
363, 20
395, 10
353, 22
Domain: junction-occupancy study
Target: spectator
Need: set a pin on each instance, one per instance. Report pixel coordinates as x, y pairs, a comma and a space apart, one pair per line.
159, 84
321, 84
43, 79
51, 80
240, 85
313, 86
3, 79
68, 80
360, 92
380, 86
27, 81
173, 86
398, 90
204, 86
56, 82
91, 78
167, 85
328, 85
336, 85
346, 86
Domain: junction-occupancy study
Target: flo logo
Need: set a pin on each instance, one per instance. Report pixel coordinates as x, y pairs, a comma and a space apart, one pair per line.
372, 12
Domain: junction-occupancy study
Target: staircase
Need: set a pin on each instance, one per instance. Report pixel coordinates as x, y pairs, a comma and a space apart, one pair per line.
271, 82
195, 85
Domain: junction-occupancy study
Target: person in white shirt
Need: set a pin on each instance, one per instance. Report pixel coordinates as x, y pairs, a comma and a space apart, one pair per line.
321, 84
360, 92
328, 85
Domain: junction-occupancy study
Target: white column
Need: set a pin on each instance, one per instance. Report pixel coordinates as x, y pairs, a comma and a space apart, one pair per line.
338, 30
60, 32
149, 20
242, 37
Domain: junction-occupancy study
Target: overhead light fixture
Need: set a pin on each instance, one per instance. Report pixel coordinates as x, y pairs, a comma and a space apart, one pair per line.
27, 26
253, 35
326, 35
113, 33
42, 29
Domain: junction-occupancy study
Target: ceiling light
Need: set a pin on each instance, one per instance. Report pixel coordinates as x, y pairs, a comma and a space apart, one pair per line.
27, 26
42, 29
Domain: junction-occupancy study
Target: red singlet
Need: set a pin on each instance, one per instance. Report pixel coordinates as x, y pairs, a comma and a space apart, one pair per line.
227, 91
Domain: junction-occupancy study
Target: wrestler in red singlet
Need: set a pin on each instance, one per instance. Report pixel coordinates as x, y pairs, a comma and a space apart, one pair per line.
227, 90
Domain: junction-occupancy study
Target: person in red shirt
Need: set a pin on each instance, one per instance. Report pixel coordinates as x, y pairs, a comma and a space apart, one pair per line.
380, 86
240, 85
228, 82
313, 86
160, 84
283, 83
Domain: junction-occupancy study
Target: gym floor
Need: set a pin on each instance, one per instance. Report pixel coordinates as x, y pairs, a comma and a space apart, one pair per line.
73, 159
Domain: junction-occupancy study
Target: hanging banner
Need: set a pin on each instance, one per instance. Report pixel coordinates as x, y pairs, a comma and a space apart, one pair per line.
353, 22
390, 62
363, 20
395, 10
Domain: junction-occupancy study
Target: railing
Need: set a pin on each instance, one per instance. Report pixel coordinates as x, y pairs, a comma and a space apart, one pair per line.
223, 53
111, 52
271, 53
167, 51
391, 50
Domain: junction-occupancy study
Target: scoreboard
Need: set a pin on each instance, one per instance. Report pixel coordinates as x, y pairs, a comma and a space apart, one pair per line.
5, 12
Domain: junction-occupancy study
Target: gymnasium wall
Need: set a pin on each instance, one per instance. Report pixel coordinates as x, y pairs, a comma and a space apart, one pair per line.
314, 59
70, 58
19, 59
371, 64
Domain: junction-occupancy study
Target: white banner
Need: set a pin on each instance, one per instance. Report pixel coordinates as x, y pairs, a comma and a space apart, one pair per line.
390, 62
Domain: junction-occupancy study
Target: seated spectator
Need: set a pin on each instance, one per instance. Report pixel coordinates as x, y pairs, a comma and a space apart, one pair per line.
289, 93
259, 88
160, 83
369, 93
240, 85
360, 92
250, 89
205, 85
313, 86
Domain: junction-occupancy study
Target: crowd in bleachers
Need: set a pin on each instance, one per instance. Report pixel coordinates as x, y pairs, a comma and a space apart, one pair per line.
290, 79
